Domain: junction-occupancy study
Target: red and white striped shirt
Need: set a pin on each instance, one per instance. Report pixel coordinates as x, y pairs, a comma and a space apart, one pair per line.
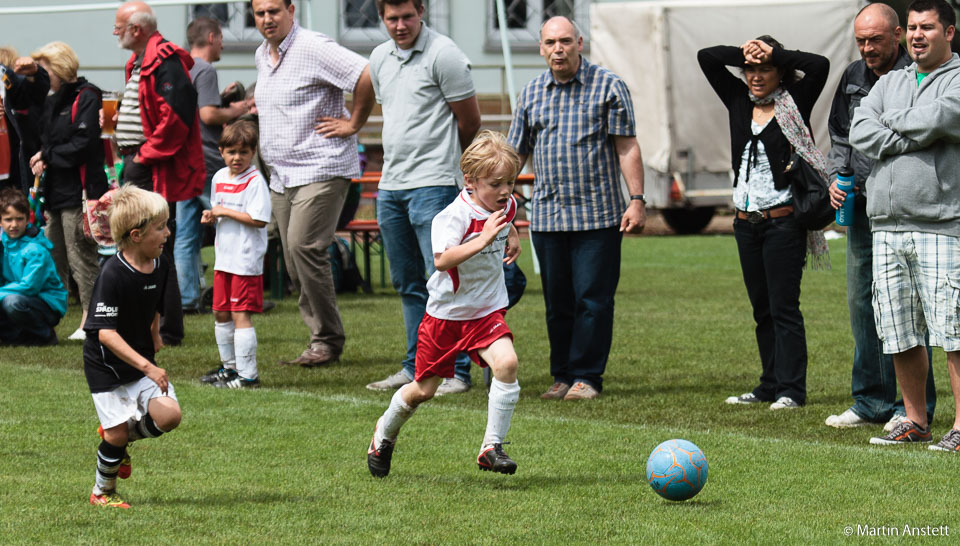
239, 247
475, 288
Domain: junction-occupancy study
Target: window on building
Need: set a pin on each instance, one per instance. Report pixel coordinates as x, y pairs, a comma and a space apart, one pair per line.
360, 26
524, 18
236, 19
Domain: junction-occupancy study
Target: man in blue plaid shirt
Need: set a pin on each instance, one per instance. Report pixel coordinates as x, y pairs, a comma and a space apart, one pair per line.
577, 120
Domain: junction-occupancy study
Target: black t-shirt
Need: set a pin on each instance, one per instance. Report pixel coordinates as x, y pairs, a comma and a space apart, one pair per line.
124, 300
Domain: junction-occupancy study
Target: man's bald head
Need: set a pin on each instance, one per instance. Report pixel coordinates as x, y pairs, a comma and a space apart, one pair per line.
560, 45
134, 24
880, 12
140, 14
877, 30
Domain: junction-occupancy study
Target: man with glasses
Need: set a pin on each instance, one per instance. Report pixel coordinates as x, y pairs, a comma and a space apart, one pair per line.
158, 130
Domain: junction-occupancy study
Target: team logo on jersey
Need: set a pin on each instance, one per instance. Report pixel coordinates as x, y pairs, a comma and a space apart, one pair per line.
103, 310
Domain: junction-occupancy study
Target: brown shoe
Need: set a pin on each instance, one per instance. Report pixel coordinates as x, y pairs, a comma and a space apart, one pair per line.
556, 391
314, 355
581, 391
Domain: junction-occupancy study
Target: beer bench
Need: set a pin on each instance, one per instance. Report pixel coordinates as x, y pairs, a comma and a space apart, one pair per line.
365, 233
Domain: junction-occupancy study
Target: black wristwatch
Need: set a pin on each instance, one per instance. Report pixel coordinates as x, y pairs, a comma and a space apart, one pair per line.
639, 197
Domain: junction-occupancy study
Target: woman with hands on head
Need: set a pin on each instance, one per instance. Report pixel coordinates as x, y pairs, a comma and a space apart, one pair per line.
769, 113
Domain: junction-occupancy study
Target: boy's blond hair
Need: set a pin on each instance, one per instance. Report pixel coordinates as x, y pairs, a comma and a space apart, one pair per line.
490, 154
62, 59
8, 55
133, 208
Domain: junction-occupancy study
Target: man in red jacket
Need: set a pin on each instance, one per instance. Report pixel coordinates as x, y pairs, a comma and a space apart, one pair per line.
158, 130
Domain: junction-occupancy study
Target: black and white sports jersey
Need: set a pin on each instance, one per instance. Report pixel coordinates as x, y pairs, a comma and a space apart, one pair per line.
124, 300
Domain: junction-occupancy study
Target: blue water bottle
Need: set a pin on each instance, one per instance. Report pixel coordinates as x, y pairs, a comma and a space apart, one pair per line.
845, 184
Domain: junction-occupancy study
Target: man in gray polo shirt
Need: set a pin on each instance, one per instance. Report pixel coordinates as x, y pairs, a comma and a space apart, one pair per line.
430, 114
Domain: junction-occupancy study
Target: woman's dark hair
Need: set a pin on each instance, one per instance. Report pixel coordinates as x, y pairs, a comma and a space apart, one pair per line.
788, 75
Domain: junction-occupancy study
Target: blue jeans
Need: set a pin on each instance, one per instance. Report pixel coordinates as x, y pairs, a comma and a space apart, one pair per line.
186, 249
405, 217
772, 254
873, 381
580, 271
25, 315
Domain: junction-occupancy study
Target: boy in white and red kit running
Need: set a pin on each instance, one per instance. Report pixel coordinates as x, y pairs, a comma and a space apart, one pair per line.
472, 238
241, 209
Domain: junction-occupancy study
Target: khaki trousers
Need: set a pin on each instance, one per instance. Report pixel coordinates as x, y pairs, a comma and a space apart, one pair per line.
306, 218
72, 252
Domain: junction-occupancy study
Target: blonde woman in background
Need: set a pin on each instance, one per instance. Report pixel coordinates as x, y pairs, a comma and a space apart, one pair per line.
71, 155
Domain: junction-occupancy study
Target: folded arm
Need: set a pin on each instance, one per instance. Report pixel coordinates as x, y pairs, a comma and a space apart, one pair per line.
870, 136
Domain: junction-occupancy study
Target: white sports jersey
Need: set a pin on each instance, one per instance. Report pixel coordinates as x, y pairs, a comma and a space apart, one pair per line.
240, 248
475, 288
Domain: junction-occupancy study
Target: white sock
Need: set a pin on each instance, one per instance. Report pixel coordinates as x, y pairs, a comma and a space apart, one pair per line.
500, 403
245, 342
223, 332
396, 415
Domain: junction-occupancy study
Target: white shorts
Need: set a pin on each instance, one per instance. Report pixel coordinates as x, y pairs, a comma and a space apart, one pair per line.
127, 401
916, 290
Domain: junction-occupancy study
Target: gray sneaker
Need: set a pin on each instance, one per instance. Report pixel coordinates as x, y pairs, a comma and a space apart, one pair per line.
391, 383
452, 386
745, 398
894, 421
950, 442
785, 402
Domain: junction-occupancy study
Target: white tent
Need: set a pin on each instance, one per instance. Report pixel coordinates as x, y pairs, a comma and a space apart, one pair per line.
653, 46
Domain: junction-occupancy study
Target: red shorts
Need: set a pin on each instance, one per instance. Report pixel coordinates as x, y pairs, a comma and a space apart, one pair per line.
440, 341
237, 292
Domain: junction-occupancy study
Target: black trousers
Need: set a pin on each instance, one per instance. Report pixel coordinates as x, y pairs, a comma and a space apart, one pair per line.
772, 255
171, 323
580, 271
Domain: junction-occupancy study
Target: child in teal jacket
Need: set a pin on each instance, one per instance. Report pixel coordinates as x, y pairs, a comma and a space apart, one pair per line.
32, 298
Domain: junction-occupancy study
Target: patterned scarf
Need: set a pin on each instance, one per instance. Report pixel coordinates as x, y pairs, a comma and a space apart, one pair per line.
798, 135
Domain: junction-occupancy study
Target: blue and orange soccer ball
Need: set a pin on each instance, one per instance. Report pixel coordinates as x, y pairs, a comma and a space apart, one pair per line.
677, 470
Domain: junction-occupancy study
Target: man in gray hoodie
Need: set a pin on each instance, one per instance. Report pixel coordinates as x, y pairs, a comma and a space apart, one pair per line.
909, 124
873, 380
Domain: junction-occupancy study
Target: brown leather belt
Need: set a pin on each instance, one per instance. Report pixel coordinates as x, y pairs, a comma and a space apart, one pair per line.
757, 216
124, 151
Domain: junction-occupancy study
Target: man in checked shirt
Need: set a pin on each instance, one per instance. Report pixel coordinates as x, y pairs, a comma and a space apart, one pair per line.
577, 120
308, 138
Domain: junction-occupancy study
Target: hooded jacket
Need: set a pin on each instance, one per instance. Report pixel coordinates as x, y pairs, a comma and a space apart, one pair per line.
70, 144
171, 124
28, 269
913, 133
855, 84
21, 95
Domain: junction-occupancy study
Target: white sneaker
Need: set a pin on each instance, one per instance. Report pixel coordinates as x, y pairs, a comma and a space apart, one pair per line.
452, 386
847, 419
391, 383
79, 335
785, 402
894, 421
745, 398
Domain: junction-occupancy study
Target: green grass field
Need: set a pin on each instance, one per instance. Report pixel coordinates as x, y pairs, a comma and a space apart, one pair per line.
286, 463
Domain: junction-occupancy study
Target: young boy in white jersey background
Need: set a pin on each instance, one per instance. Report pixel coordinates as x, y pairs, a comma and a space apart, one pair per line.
471, 238
133, 397
241, 209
